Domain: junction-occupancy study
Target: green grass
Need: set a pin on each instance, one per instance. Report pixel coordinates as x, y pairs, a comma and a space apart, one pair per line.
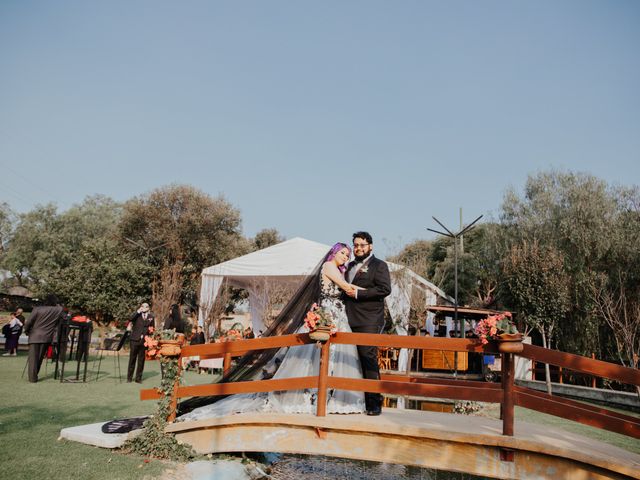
531, 416
32, 415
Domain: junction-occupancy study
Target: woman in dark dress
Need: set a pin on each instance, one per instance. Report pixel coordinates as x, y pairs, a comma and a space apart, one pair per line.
14, 331
174, 320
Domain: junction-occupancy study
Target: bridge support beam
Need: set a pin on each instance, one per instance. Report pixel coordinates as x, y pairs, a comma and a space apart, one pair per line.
349, 436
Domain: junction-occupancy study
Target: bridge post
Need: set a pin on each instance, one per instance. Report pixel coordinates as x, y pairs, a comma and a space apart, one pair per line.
323, 375
507, 406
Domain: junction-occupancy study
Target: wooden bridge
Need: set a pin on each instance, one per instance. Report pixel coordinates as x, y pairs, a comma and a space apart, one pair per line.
447, 442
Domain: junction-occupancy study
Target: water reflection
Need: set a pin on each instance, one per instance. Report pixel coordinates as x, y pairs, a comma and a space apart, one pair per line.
290, 467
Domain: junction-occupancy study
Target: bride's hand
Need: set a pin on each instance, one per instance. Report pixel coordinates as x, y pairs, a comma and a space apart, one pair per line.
351, 290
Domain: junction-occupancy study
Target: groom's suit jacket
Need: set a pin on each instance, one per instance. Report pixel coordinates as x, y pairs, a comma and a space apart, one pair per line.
140, 326
368, 308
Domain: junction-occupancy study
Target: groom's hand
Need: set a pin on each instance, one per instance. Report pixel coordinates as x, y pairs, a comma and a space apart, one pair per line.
351, 291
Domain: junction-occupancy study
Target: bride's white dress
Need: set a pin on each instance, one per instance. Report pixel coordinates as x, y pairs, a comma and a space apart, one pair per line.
300, 361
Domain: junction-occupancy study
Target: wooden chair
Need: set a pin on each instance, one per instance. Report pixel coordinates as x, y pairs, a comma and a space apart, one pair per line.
384, 358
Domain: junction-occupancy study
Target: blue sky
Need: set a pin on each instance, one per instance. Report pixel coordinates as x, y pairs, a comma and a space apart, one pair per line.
317, 118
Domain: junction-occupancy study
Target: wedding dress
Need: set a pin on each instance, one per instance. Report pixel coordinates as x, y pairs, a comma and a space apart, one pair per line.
300, 361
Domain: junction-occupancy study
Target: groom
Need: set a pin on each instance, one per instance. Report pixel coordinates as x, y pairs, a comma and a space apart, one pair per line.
365, 307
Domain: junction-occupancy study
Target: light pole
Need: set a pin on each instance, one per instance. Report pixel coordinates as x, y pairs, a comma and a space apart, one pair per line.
455, 237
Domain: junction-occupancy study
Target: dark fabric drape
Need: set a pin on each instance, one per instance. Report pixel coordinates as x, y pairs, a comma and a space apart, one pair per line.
290, 319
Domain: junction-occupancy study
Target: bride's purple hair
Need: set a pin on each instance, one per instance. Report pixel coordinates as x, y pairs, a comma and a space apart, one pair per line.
332, 254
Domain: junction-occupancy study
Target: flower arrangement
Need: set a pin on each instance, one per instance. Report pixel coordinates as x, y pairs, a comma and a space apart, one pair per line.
494, 325
318, 317
154, 341
231, 336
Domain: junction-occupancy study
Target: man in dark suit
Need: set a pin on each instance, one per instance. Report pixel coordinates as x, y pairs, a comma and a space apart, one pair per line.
365, 307
42, 328
142, 323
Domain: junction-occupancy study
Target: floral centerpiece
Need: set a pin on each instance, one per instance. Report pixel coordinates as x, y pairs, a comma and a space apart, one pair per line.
319, 323
500, 328
231, 336
163, 342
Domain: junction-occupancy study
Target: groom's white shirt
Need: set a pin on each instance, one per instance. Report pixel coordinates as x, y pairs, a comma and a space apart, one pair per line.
354, 271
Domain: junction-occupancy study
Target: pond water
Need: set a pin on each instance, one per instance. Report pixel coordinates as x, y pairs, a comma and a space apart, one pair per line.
290, 467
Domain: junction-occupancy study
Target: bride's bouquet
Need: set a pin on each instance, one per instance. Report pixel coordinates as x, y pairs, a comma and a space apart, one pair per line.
319, 320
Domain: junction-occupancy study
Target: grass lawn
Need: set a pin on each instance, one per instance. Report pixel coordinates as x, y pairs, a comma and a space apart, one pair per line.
31, 416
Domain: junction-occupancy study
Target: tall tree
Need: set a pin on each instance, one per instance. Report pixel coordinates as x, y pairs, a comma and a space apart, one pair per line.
181, 224
6, 225
104, 281
572, 213
538, 289
266, 238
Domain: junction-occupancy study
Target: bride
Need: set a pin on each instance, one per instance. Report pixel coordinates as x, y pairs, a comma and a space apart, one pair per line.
327, 286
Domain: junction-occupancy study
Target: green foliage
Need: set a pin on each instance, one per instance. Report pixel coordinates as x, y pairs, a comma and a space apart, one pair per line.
417, 256
537, 286
103, 280
479, 258
6, 224
594, 228
266, 238
154, 441
76, 255
179, 224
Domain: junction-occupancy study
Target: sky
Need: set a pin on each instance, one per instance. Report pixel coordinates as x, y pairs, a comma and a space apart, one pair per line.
317, 118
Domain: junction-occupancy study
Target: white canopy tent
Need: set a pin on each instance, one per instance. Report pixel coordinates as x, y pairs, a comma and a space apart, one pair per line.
290, 262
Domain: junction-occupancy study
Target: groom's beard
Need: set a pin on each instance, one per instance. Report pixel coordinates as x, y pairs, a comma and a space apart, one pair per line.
360, 258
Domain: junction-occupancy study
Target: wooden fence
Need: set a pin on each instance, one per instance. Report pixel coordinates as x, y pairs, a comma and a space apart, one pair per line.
506, 393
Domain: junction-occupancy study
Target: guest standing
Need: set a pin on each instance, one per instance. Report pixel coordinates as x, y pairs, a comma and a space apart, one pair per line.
42, 327
142, 323
198, 337
14, 329
174, 320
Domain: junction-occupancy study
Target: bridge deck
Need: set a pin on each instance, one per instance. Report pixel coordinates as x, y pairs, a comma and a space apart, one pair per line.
427, 439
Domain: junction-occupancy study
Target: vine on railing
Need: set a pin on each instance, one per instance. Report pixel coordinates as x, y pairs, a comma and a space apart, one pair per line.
154, 441
507, 394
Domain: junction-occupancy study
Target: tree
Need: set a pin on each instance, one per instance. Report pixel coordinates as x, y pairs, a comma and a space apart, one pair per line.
478, 263
416, 255
572, 213
29, 254
76, 255
620, 308
104, 281
266, 238
6, 225
179, 224
538, 289
44, 242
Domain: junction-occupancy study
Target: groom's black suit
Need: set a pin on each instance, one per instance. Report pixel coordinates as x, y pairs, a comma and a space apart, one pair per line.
366, 315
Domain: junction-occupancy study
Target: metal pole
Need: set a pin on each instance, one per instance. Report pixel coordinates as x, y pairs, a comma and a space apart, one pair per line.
455, 237
455, 297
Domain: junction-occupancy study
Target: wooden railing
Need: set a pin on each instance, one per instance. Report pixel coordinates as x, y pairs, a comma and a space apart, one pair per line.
506, 393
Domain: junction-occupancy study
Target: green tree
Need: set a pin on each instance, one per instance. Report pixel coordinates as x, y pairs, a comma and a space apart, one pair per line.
104, 281
179, 224
29, 253
538, 288
266, 238
77, 256
572, 213
417, 256
6, 225
479, 258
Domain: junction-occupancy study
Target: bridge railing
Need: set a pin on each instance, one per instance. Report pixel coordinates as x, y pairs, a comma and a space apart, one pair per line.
507, 394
